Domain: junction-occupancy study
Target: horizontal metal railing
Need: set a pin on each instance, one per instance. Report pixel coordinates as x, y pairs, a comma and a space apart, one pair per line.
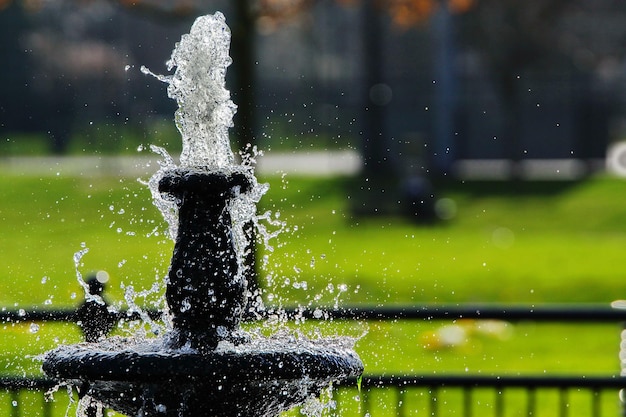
430, 386
573, 313
433, 385
15, 385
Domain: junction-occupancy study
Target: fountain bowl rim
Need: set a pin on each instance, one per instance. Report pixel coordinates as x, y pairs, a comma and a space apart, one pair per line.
88, 362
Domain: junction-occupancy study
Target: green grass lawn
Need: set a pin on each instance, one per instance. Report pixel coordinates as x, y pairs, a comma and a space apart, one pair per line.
562, 242
564, 245
531, 243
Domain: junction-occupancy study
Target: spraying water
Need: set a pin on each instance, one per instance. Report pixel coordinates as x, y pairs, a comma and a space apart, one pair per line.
205, 364
205, 113
205, 110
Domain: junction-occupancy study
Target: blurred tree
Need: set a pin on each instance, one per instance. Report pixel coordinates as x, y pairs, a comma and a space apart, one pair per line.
13, 25
511, 36
582, 38
383, 178
47, 67
273, 13
246, 15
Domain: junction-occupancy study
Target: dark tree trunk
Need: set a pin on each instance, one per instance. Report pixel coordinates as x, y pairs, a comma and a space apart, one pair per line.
376, 153
242, 52
377, 187
512, 122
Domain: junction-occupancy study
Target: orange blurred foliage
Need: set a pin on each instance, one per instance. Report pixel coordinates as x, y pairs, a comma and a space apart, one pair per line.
281, 9
408, 13
404, 13
461, 6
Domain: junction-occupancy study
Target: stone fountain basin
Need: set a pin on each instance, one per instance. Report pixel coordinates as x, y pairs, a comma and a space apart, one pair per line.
255, 379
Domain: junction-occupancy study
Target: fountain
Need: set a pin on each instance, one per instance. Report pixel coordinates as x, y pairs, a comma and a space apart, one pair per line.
204, 364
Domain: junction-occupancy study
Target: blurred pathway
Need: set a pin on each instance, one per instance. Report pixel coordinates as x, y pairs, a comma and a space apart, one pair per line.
298, 163
319, 164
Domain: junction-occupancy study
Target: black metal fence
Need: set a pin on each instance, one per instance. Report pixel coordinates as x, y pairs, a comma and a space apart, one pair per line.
478, 395
15, 386
405, 395
497, 393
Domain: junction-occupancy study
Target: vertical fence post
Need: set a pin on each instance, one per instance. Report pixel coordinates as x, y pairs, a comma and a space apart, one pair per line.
335, 400
563, 402
467, 401
596, 409
622, 360
499, 402
620, 305
46, 406
365, 402
401, 402
15, 403
531, 401
433, 400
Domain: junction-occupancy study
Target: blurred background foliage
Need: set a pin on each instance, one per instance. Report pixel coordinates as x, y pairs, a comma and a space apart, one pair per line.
413, 85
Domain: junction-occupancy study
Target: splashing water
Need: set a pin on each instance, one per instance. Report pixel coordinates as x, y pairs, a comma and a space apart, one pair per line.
78, 257
204, 115
205, 112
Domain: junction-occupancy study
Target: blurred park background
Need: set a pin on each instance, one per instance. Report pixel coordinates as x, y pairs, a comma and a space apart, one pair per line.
437, 152
412, 85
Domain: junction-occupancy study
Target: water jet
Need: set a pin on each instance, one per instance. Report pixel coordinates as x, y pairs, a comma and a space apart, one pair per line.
205, 364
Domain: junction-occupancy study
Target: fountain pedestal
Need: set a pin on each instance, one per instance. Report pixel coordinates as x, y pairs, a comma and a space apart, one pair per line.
206, 289
206, 365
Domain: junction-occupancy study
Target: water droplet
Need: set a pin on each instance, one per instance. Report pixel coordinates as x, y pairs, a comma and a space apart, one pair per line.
300, 285
34, 328
102, 276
